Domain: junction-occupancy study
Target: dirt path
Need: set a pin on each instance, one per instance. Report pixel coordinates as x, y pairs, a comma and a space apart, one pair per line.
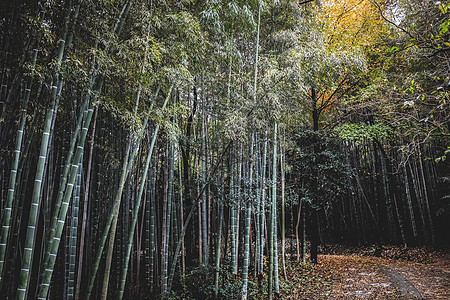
361, 277
403, 286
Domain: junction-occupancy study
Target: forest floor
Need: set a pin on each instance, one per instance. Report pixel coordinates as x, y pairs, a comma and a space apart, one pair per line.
398, 273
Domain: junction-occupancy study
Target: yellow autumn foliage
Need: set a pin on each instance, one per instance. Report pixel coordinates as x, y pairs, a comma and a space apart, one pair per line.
350, 24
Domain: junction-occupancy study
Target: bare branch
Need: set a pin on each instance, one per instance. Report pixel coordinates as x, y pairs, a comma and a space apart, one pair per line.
304, 2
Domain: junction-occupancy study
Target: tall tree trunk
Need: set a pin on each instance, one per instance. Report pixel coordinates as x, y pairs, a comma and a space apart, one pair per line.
303, 211
297, 226
418, 191
427, 202
409, 201
389, 206
313, 212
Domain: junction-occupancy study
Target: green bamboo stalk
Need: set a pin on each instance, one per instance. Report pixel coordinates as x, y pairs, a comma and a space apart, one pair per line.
23, 176
65, 191
139, 237
48, 189
276, 280
116, 207
126, 167
152, 237
272, 213
248, 218
128, 162
144, 179
73, 238
204, 210
233, 218
165, 263
7, 210
249, 206
219, 241
180, 192
62, 212
63, 183
283, 214
51, 260
258, 208
200, 239
24, 279
175, 210
135, 214
66, 260
85, 210
34, 209
240, 168
63, 180
263, 205
146, 219
189, 217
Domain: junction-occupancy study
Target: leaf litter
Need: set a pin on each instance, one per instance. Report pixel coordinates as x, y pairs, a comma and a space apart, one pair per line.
397, 274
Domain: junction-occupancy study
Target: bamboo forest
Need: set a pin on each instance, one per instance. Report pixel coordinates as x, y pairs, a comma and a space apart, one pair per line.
213, 149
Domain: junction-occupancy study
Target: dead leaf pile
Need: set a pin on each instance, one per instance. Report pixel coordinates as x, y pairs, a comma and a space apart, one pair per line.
362, 276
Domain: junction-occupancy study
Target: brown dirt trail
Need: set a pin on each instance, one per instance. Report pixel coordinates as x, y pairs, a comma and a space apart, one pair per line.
362, 277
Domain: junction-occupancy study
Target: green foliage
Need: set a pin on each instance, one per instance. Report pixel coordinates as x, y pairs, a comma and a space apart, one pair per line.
290, 198
122, 113
206, 50
228, 16
406, 88
319, 168
360, 132
443, 157
199, 284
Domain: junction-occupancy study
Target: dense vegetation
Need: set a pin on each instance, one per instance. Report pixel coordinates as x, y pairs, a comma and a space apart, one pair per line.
195, 148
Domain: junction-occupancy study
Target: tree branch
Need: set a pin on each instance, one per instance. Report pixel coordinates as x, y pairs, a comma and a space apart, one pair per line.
326, 103
304, 2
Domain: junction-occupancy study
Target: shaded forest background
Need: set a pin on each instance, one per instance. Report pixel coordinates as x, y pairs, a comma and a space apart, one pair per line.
194, 148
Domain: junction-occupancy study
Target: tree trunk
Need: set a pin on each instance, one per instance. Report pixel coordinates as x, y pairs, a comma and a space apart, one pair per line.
297, 239
313, 213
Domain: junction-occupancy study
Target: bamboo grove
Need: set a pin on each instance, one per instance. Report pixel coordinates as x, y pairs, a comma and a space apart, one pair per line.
193, 149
